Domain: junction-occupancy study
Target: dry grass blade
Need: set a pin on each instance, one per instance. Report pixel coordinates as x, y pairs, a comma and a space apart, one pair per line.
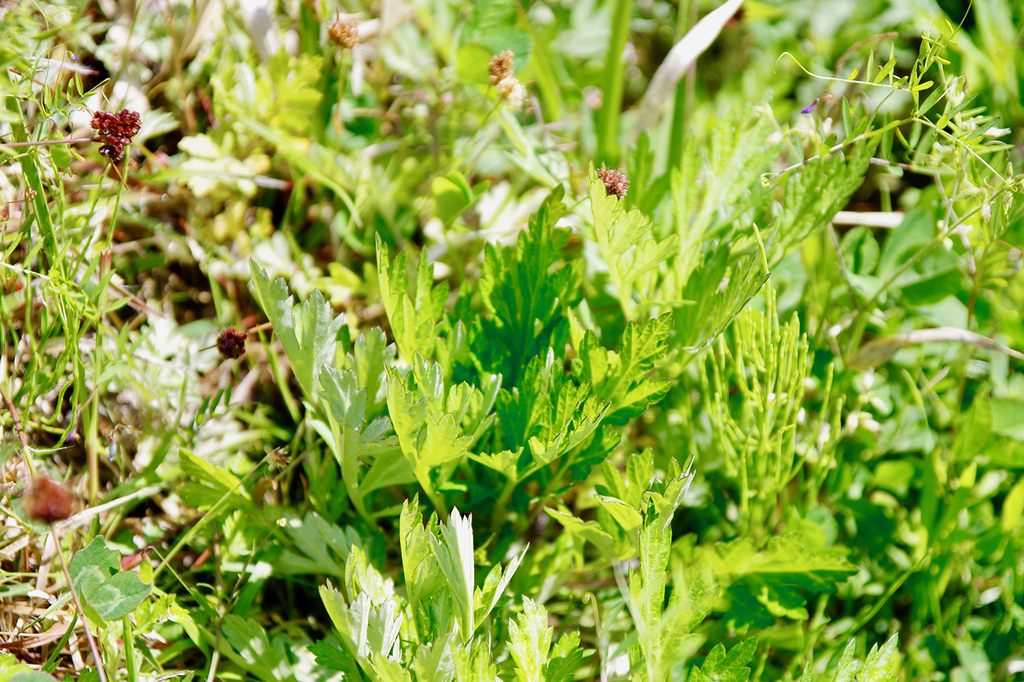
880, 351
666, 78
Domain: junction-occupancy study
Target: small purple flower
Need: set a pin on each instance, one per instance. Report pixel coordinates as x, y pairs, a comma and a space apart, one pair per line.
812, 107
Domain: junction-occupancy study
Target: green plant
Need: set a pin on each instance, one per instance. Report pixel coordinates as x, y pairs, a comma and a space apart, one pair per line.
483, 361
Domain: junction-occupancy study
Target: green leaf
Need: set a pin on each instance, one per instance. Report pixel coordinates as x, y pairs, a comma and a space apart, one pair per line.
1013, 508
454, 554
333, 655
566, 657
627, 244
529, 642
427, 441
492, 24
413, 322
877, 667
93, 565
119, 595
647, 600
623, 377
627, 517
894, 475
96, 573
709, 183
355, 444
308, 332
370, 355
486, 598
814, 195
586, 531
452, 196
249, 639
720, 667
435, 661
320, 547
32, 676
423, 577
61, 156
778, 577
527, 292
719, 293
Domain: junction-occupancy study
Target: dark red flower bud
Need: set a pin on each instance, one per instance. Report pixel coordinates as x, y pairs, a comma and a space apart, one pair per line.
48, 501
116, 130
614, 182
231, 343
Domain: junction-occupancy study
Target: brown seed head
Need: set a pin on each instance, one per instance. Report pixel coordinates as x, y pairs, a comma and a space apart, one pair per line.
278, 459
48, 501
501, 66
116, 130
343, 34
231, 343
614, 182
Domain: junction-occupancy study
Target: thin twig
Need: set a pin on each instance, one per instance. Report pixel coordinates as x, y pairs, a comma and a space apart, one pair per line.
21, 434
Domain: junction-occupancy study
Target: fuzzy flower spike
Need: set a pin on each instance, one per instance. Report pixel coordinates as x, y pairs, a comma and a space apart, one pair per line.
501, 66
511, 92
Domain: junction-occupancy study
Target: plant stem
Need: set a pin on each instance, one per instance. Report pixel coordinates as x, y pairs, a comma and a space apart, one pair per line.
78, 605
130, 663
502, 504
46, 143
611, 102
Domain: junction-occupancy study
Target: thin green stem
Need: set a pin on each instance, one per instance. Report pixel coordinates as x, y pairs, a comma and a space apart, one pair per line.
502, 504
130, 664
611, 103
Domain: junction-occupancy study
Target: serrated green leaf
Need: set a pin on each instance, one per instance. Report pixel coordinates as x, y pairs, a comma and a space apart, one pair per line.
647, 584
320, 547
586, 531
731, 667
249, 639
413, 321
454, 554
627, 243
308, 332
565, 659
814, 195
719, 293
622, 378
529, 642
435, 661
527, 292
626, 516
